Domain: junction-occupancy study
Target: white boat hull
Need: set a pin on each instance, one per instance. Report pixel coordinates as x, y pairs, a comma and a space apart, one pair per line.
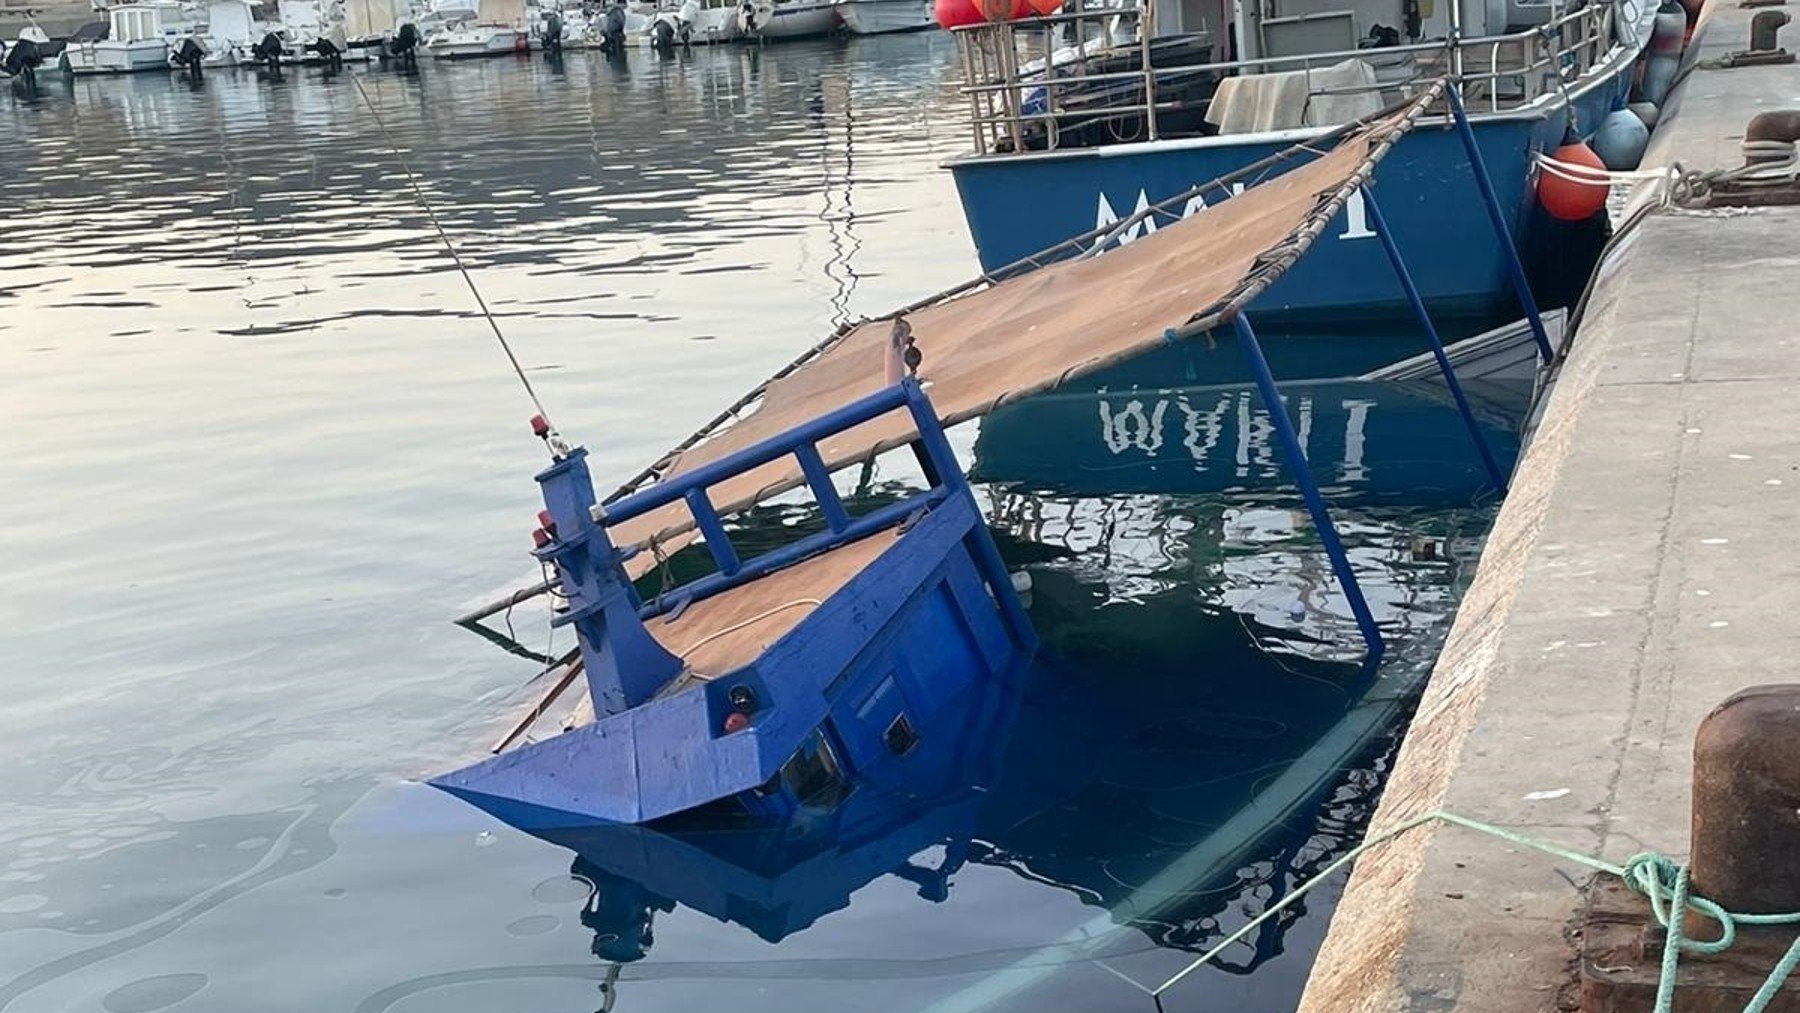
109, 57
481, 40
884, 17
713, 24
800, 19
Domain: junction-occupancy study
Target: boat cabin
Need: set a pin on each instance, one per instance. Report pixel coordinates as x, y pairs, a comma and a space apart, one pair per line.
1098, 73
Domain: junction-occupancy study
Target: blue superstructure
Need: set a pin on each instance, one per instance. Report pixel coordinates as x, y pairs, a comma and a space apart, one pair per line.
858, 678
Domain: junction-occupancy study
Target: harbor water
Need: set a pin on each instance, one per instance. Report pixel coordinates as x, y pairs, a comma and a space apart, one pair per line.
260, 448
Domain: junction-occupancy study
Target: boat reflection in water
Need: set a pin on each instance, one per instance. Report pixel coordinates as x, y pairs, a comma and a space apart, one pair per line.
1196, 736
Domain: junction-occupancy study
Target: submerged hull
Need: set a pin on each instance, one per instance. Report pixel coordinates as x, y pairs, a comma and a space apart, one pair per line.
885, 17
1017, 205
911, 630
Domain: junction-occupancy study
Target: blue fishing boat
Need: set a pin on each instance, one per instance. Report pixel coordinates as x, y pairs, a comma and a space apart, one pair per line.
771, 676
1147, 101
766, 683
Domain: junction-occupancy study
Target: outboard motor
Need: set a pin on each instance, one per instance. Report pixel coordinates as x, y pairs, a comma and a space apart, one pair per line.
663, 33
328, 51
553, 32
405, 44
22, 61
268, 52
188, 56
612, 31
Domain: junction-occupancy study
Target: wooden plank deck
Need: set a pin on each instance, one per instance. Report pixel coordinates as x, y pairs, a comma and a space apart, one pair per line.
729, 630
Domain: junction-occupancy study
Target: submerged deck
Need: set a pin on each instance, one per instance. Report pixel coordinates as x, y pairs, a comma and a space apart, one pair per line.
1640, 572
729, 630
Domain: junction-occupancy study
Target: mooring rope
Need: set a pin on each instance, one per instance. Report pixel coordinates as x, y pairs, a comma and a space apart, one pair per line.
1659, 878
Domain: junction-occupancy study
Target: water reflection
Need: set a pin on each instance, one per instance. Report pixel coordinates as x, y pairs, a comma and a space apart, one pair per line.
1194, 741
260, 448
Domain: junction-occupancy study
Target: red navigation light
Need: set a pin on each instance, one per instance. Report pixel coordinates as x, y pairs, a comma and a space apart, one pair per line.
736, 721
540, 538
547, 522
540, 426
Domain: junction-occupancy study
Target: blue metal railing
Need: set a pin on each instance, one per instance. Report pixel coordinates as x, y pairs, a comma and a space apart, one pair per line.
1309, 488
944, 476
1376, 219
1515, 268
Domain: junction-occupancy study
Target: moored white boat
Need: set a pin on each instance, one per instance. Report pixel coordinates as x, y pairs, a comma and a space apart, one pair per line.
884, 17
498, 28
370, 24
797, 19
696, 22
137, 39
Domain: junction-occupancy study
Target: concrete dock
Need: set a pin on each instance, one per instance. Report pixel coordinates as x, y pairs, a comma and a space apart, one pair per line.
1644, 567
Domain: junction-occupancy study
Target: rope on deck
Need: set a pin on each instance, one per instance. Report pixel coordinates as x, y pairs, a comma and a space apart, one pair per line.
1659, 878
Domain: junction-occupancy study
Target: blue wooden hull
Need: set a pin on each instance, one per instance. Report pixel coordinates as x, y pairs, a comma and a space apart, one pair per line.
1018, 205
915, 628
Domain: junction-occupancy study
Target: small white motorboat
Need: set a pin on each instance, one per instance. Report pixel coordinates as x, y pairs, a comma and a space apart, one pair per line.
498, 28
885, 17
697, 22
137, 39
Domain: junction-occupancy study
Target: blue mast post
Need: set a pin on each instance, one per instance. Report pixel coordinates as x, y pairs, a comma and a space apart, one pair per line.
1513, 265
937, 453
624, 664
1437, 345
1309, 489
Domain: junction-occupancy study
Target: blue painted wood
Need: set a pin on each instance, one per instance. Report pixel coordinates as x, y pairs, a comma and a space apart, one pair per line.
824, 493
624, 665
1431, 337
712, 473
1309, 488
713, 530
1496, 213
913, 628
1017, 206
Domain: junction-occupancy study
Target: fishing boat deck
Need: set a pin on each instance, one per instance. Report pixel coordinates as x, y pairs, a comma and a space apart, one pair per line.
730, 629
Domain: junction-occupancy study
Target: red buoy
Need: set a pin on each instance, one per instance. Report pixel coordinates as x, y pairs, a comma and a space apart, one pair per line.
956, 13
736, 721
1572, 200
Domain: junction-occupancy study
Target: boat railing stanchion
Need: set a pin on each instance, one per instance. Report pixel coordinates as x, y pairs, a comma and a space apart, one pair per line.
1392, 248
936, 448
1309, 488
1502, 235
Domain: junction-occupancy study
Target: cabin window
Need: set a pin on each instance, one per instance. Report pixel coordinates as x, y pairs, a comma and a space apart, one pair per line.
900, 736
814, 775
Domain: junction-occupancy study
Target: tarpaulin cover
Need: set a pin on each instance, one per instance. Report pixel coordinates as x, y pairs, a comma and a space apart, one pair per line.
1028, 333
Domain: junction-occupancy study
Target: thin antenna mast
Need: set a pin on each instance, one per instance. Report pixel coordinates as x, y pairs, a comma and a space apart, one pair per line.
412, 181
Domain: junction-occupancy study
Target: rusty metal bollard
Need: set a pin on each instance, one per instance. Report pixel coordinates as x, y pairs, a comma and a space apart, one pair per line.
1746, 812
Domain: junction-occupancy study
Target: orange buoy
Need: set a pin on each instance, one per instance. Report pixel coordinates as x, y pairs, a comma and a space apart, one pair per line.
1572, 200
956, 13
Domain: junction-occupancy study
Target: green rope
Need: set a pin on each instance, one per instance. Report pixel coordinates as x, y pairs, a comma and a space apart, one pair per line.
1659, 878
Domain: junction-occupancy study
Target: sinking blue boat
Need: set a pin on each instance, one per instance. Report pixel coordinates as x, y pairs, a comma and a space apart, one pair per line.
773, 678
